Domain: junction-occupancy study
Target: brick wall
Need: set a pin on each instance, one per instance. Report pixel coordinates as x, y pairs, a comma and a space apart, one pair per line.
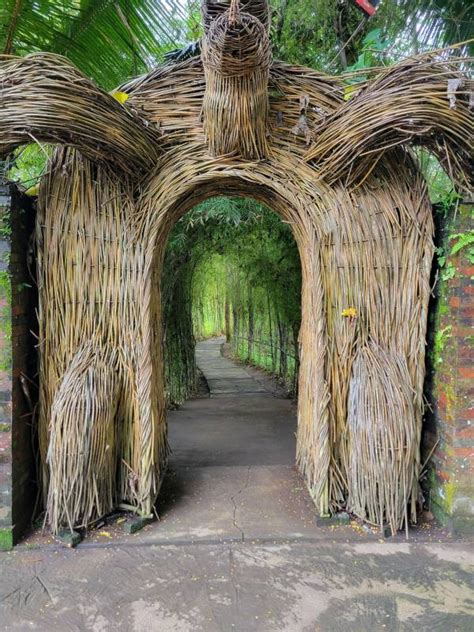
6, 533
449, 426
18, 300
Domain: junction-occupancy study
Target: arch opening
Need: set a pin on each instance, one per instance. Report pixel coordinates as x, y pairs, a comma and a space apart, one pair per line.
241, 252
231, 282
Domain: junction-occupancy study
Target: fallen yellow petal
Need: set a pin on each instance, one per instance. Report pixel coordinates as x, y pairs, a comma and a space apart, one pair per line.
350, 312
106, 534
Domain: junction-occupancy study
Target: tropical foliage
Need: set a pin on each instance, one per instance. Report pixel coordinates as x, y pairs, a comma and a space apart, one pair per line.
329, 34
109, 40
232, 268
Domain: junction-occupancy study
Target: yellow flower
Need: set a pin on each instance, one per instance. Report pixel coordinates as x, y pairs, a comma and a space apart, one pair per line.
121, 97
351, 91
349, 312
106, 534
32, 191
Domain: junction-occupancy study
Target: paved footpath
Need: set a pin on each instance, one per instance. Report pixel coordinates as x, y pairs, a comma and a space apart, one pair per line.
237, 546
232, 474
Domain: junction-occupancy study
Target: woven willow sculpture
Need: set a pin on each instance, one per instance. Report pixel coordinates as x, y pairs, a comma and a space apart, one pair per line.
360, 216
236, 58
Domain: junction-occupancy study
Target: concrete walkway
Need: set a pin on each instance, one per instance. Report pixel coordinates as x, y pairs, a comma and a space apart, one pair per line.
237, 547
232, 474
242, 587
224, 377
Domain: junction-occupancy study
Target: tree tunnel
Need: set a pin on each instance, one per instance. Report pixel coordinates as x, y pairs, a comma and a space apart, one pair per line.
231, 268
231, 272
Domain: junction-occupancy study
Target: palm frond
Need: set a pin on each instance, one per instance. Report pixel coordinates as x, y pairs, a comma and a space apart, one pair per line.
440, 23
109, 40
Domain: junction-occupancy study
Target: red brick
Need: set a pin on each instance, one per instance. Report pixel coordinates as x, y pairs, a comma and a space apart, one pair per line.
468, 413
461, 332
465, 351
454, 301
441, 400
464, 453
467, 307
464, 386
455, 283
467, 372
466, 433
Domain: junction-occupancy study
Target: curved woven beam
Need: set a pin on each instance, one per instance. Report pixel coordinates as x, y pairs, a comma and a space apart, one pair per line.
420, 101
236, 57
45, 98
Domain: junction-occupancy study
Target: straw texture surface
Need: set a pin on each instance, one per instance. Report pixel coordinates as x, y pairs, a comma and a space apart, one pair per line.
340, 173
236, 57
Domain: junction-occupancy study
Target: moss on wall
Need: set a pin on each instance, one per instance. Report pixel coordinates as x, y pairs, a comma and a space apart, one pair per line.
448, 432
6, 539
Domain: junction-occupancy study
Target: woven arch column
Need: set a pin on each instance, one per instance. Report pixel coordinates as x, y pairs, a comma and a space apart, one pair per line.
92, 286
160, 211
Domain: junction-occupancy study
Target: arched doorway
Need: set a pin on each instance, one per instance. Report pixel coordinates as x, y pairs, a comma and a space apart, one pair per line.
233, 444
256, 181
345, 266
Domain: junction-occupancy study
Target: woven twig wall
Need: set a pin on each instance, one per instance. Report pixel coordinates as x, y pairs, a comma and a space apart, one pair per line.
369, 249
359, 213
101, 427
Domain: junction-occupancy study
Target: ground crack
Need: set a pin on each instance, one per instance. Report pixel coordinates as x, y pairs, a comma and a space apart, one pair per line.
232, 498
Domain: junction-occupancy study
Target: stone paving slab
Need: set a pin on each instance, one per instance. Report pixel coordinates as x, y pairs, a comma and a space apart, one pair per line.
223, 375
244, 503
289, 587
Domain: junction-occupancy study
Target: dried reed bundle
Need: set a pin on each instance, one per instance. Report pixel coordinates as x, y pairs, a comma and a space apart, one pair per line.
383, 438
82, 452
422, 100
236, 57
44, 97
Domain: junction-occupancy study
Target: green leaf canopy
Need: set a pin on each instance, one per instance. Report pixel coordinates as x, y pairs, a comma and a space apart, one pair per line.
109, 40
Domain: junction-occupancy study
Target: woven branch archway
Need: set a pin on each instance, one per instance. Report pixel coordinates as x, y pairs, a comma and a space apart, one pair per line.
359, 213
